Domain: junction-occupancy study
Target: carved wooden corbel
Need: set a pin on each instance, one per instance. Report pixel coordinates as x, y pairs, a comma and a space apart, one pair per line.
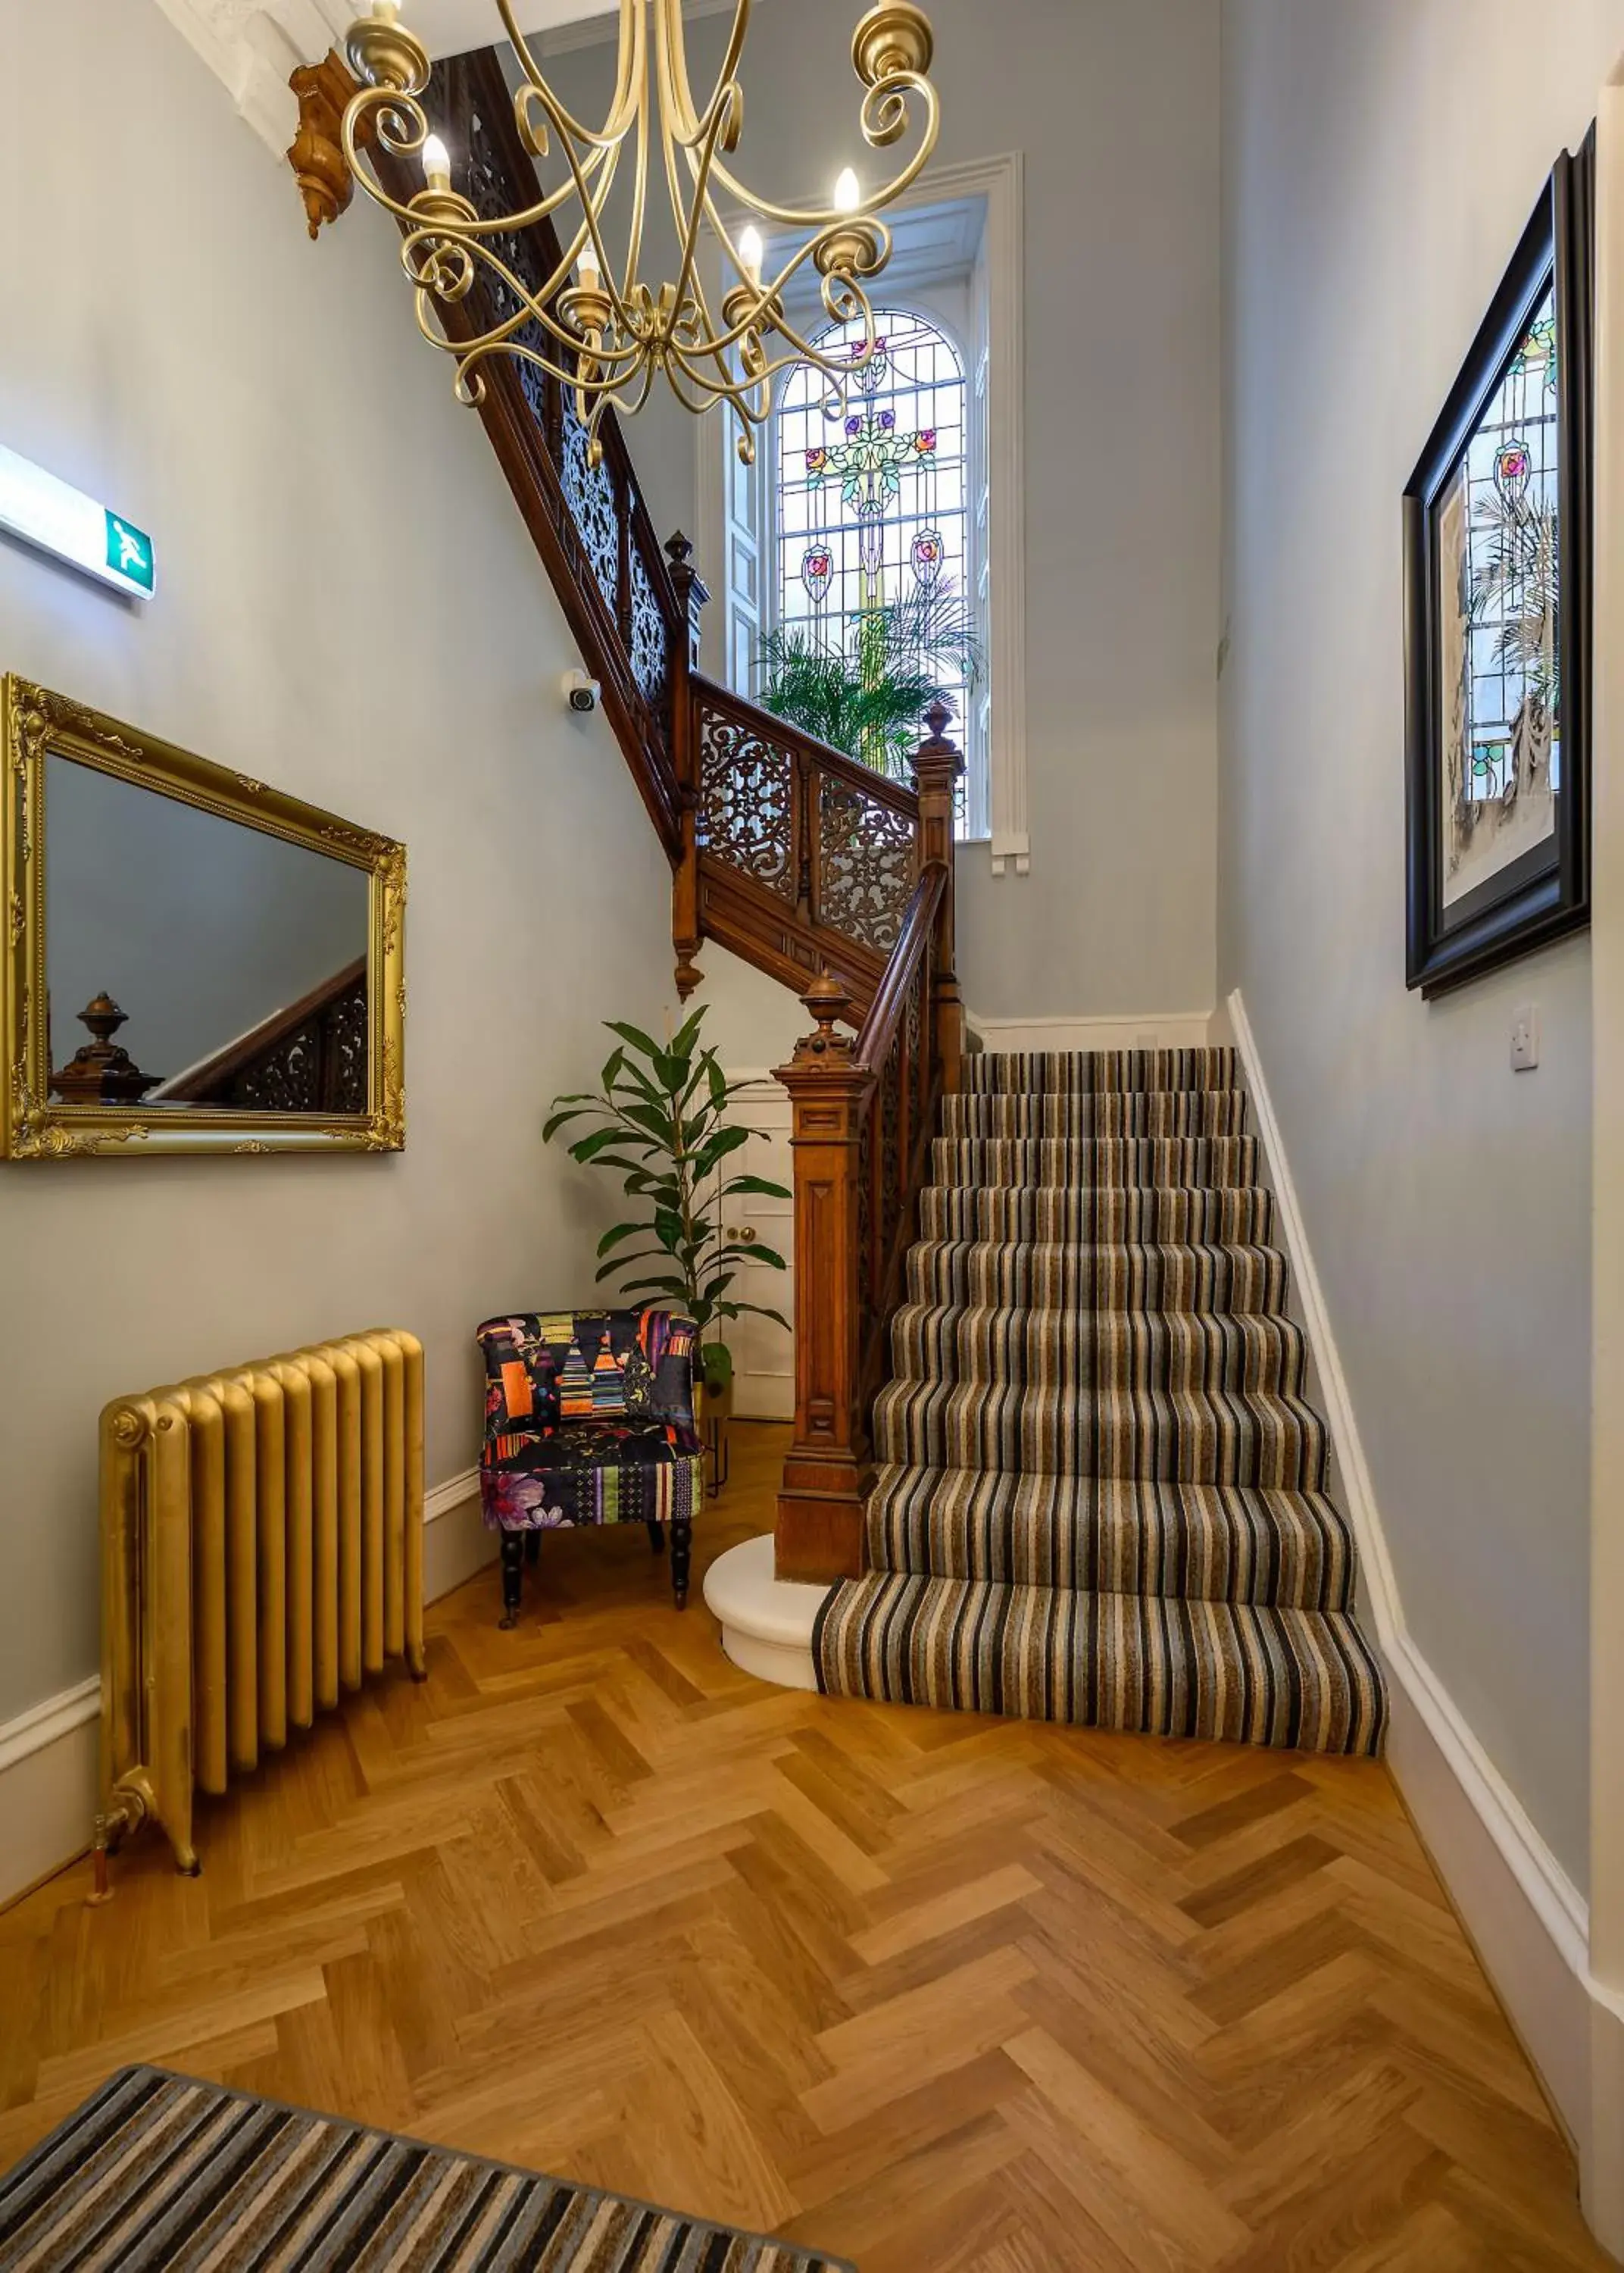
317, 152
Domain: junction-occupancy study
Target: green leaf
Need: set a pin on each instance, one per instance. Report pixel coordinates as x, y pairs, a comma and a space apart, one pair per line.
634, 1035
650, 1117
587, 1148
688, 1033
717, 1148
736, 1310
621, 1231
718, 1082
617, 1262
613, 1064
755, 1254
762, 1186
557, 1121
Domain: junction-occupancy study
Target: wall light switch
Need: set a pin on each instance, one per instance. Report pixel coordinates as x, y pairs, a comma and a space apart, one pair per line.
1525, 1038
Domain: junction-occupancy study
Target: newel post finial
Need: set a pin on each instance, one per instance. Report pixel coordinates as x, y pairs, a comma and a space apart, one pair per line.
691, 592
937, 770
828, 1001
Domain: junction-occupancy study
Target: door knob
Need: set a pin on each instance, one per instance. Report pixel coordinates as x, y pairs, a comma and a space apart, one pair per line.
748, 1232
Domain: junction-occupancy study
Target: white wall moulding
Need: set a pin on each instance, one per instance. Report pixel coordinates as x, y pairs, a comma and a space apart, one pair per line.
1154, 1030
50, 1756
1528, 1920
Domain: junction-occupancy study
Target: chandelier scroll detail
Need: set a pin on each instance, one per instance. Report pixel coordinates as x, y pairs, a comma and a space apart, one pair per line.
595, 324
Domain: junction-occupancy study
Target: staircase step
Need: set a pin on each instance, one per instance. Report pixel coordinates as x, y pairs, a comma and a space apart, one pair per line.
1216, 1163
1096, 1354
1097, 1071
1215, 1436
1229, 1670
1107, 1112
1118, 1535
1175, 1276
1057, 1215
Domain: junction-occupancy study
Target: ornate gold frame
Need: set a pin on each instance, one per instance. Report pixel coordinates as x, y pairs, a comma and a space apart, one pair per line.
32, 722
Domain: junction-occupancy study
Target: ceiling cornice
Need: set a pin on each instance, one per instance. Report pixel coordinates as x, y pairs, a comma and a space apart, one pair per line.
251, 45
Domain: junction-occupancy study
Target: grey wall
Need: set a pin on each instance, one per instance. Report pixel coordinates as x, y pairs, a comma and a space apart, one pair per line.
1115, 109
1380, 161
200, 929
347, 607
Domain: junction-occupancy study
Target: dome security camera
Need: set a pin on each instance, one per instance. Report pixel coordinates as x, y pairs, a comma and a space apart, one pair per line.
582, 694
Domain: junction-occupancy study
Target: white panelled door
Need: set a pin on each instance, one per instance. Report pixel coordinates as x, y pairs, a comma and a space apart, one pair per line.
763, 1354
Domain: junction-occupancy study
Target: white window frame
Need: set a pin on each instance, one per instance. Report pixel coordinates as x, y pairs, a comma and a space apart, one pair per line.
999, 184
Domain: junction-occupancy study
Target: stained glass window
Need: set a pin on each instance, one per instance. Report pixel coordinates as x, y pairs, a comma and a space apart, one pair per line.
1508, 567
871, 501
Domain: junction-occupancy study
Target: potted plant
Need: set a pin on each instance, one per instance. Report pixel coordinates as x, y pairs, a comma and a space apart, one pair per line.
869, 697
661, 1121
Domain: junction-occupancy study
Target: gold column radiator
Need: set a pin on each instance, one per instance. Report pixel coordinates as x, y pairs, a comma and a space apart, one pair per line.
261, 1552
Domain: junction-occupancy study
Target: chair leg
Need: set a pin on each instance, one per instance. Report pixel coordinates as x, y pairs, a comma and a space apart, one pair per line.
682, 1543
656, 1537
513, 1577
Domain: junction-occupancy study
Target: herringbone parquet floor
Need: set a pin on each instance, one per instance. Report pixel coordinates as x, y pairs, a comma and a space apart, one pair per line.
948, 1995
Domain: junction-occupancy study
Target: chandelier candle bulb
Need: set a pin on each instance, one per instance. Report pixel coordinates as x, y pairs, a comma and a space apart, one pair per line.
848, 197
751, 252
436, 162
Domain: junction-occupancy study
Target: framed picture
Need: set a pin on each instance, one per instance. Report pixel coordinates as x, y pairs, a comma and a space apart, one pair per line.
1497, 556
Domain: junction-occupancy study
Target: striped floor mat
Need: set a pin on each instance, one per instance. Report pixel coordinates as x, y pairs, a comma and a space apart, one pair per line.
1101, 1494
158, 2174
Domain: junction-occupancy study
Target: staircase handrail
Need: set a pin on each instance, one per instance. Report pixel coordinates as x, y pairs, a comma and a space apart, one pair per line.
864, 1109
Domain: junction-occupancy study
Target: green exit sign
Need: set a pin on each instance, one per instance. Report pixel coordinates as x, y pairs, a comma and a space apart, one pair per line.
60, 519
129, 552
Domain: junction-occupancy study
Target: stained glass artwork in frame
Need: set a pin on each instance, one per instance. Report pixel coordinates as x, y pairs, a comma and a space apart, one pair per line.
1497, 636
872, 502
1499, 549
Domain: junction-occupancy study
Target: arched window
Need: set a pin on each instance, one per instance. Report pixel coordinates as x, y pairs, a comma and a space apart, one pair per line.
871, 504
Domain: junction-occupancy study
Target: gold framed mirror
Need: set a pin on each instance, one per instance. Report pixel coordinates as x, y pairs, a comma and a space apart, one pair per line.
194, 962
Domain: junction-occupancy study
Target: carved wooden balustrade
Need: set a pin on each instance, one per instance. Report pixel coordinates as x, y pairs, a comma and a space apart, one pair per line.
804, 860
864, 1116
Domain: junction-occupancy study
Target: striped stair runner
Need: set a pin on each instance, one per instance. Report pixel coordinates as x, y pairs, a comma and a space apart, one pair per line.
1101, 1492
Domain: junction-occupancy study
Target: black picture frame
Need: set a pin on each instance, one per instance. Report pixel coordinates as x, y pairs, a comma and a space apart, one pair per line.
1544, 892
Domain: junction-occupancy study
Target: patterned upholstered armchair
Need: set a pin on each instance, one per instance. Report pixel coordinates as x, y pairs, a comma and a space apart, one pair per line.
589, 1419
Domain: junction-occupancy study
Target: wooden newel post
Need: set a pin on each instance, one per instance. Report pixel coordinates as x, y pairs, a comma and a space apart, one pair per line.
691, 598
937, 771
828, 1471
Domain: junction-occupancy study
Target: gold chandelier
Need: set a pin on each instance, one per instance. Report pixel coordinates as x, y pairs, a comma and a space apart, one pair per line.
604, 333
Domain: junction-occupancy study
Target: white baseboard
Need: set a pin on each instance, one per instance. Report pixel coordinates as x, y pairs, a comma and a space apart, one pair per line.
1528, 1920
50, 1773
1154, 1030
50, 1768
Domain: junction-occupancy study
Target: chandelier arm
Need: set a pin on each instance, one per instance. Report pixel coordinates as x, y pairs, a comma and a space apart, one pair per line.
622, 104
407, 109
689, 225
795, 217
533, 307
639, 186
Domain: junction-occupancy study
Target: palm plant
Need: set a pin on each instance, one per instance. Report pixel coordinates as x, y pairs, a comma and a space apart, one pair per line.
661, 1123
868, 698
1517, 578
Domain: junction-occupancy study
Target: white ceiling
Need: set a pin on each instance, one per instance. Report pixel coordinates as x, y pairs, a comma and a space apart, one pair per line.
450, 27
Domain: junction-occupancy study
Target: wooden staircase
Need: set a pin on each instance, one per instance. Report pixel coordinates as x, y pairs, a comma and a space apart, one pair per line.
817, 871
